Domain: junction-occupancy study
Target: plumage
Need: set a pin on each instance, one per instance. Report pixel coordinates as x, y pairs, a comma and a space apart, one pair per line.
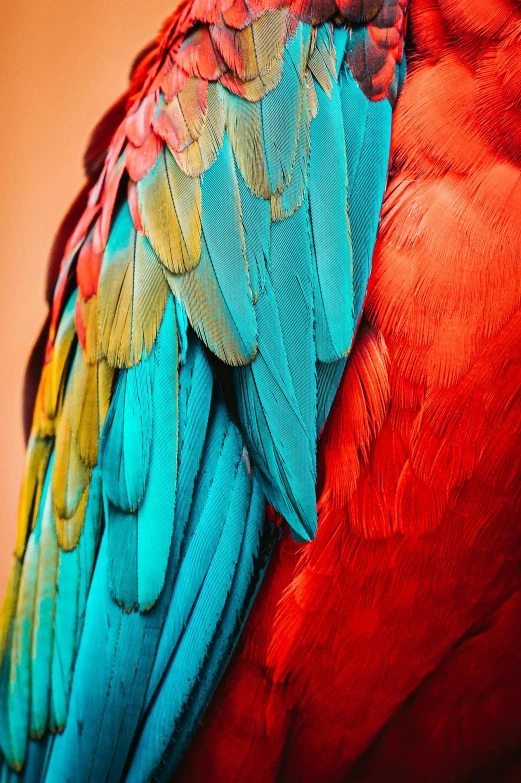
206, 301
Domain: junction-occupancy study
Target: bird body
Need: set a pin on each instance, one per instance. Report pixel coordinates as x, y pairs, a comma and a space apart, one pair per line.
203, 394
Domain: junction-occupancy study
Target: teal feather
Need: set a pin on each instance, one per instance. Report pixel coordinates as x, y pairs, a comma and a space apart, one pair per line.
291, 276
19, 677
43, 620
126, 438
195, 385
225, 244
66, 635
256, 225
247, 580
281, 111
341, 35
156, 513
368, 137
276, 430
329, 375
74, 578
213, 445
5, 734
88, 545
335, 319
122, 537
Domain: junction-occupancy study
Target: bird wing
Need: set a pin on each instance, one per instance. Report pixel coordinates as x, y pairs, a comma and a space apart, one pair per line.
228, 235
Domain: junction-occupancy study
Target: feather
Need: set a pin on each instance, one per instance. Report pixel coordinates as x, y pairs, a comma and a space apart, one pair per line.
54, 381
70, 476
367, 126
127, 437
331, 239
250, 52
132, 295
38, 455
170, 208
43, 621
18, 688
216, 294
74, 575
203, 151
276, 431
256, 225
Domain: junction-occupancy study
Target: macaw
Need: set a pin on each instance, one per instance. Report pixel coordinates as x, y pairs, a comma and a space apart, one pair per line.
268, 527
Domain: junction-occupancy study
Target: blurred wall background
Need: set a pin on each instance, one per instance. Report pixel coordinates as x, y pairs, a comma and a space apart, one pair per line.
62, 63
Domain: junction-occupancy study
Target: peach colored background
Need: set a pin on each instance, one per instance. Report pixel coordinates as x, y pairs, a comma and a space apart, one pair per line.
62, 63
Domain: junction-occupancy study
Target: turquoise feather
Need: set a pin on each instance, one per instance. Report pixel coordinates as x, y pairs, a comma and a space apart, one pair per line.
126, 439
226, 247
156, 513
255, 213
276, 430
43, 629
281, 111
335, 318
368, 137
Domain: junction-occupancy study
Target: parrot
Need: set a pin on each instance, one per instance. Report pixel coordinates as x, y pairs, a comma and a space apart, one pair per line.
268, 525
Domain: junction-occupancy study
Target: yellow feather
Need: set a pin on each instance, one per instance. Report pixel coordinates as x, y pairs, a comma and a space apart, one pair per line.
44, 605
200, 155
206, 310
250, 52
132, 297
42, 426
312, 94
36, 461
9, 603
322, 61
89, 310
90, 388
244, 127
68, 529
257, 88
70, 476
19, 675
170, 208
187, 112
